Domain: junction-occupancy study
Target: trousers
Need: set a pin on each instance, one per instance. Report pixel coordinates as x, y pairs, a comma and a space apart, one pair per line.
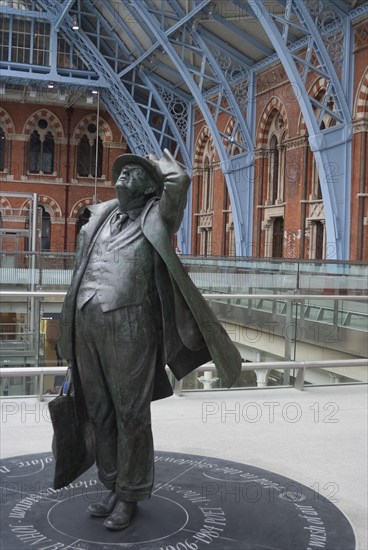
116, 355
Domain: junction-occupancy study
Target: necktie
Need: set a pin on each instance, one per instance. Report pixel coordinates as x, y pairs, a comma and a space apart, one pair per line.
117, 223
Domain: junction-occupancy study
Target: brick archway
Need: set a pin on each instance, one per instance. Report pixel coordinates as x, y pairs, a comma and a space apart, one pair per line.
274, 105
105, 131
78, 206
5, 206
50, 205
6, 122
54, 124
361, 99
201, 142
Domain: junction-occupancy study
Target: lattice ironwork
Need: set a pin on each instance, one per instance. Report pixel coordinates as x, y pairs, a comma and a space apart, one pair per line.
201, 71
177, 107
322, 55
128, 116
330, 23
324, 15
162, 120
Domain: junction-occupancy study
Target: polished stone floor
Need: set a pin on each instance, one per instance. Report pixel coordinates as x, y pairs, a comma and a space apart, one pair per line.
317, 437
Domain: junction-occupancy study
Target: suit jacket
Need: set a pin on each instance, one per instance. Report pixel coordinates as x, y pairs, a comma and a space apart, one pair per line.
191, 333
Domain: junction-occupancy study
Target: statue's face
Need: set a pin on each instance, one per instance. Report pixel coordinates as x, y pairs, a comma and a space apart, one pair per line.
133, 186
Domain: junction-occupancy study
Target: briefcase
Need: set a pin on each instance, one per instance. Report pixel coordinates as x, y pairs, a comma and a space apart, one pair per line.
73, 443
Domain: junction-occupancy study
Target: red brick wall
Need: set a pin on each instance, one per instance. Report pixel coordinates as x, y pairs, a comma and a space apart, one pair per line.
359, 178
273, 91
61, 191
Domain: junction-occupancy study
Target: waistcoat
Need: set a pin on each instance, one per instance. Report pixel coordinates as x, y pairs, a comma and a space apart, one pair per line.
120, 269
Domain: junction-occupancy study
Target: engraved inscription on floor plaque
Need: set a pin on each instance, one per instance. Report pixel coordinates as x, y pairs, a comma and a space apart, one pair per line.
198, 503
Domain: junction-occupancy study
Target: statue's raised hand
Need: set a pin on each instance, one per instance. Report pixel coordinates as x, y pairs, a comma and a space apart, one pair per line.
167, 167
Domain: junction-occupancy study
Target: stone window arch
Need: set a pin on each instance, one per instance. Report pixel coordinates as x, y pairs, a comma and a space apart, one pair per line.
41, 157
48, 213
276, 160
359, 196
361, 99
85, 137
275, 105
6, 131
274, 169
79, 206
206, 218
44, 131
86, 154
272, 133
6, 122
203, 192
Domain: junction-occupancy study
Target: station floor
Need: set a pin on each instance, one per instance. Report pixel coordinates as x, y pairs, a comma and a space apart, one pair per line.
317, 437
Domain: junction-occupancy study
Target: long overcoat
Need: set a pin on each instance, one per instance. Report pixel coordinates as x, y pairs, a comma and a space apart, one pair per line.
191, 334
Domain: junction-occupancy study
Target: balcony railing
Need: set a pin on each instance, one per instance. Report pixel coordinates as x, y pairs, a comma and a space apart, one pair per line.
27, 371
294, 322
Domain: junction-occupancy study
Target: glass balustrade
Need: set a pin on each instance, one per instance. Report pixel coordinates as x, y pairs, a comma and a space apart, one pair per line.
277, 312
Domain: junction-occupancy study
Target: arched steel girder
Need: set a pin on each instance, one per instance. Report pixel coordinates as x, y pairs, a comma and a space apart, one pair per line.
214, 97
168, 114
331, 146
128, 116
145, 94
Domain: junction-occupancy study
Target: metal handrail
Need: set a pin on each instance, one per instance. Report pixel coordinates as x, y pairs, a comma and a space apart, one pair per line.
288, 297
29, 371
353, 297
32, 371
301, 366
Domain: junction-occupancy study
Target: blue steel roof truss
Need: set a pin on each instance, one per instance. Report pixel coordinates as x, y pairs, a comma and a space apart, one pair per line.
213, 95
116, 98
152, 80
147, 96
198, 68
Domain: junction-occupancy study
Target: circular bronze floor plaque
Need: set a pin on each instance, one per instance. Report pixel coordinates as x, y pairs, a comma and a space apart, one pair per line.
198, 503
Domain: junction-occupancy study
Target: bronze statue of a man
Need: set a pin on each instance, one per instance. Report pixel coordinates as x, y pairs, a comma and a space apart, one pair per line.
132, 309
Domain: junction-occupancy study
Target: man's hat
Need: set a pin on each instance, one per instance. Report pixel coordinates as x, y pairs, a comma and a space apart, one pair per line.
145, 162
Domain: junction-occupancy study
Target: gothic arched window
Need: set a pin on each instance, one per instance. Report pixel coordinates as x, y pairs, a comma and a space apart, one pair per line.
84, 157
47, 153
276, 164
87, 153
274, 176
41, 151
207, 197
273, 192
35, 152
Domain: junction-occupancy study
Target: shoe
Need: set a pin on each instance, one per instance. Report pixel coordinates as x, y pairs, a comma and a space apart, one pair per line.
121, 516
104, 507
